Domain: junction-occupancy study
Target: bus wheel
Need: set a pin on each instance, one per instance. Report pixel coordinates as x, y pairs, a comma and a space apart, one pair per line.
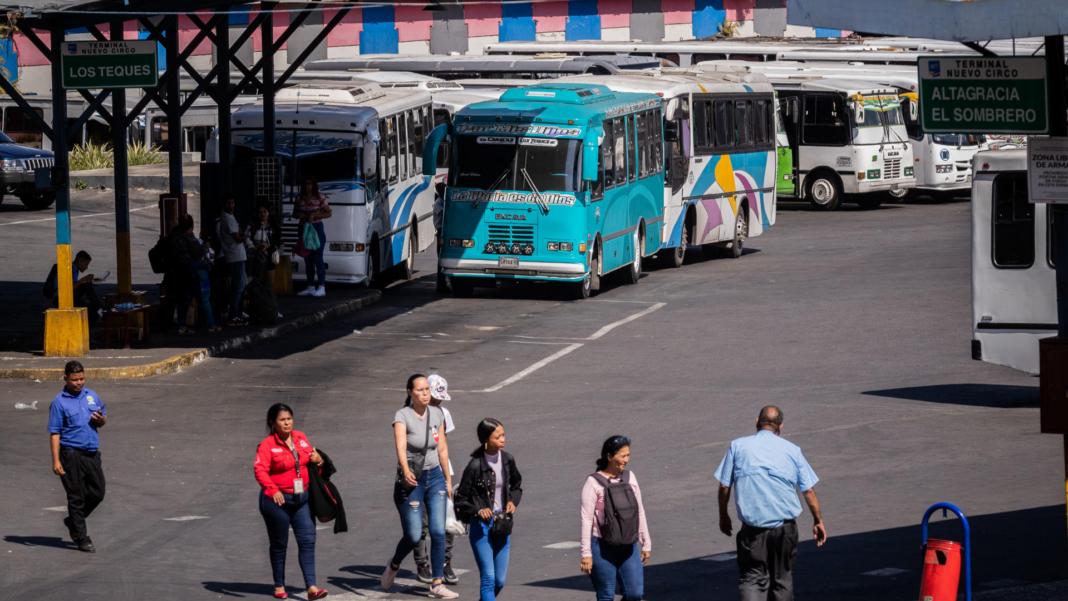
676, 258
900, 195
463, 287
595, 269
868, 202
635, 272
407, 269
38, 201
581, 290
741, 232
370, 269
824, 194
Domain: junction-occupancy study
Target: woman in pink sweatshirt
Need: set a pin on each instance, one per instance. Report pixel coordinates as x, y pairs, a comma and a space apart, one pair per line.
620, 546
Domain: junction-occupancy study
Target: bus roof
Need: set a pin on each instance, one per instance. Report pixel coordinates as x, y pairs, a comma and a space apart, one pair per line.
901, 77
333, 106
668, 84
477, 66
1000, 160
849, 87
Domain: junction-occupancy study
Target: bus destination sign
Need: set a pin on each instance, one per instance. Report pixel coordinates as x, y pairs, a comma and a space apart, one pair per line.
983, 95
118, 64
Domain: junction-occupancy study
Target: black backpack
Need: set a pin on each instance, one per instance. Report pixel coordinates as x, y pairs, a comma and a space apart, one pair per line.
621, 521
49, 290
159, 255
262, 303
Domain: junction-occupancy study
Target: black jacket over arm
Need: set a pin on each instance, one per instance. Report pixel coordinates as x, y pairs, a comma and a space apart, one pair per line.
477, 484
323, 497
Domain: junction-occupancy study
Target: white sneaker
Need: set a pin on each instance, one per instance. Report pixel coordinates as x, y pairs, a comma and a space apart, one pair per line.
279, 316
310, 290
389, 576
320, 291
438, 591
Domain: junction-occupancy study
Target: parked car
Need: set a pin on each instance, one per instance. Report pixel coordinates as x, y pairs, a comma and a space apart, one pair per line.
17, 177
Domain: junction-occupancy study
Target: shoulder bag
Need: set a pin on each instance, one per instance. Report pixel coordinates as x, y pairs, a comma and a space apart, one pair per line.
415, 465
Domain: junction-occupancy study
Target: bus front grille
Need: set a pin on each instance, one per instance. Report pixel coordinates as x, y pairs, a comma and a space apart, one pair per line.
892, 168
521, 234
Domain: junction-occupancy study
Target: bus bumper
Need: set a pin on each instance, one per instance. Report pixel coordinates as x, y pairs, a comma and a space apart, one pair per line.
526, 270
884, 186
947, 186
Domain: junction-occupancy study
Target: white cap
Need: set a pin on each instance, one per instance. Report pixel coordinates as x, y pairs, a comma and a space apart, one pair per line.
439, 388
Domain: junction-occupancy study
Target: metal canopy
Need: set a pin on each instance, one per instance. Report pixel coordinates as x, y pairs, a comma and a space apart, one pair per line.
957, 20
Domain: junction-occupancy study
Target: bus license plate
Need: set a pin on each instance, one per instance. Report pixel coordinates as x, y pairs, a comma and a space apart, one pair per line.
507, 261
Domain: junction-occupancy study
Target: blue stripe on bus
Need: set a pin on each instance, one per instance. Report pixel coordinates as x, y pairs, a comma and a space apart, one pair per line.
408, 200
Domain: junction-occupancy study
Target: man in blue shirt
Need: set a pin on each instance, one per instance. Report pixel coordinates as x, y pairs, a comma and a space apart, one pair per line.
84, 291
764, 470
73, 420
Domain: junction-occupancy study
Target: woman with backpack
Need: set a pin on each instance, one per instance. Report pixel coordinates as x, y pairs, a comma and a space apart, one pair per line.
419, 436
490, 489
615, 536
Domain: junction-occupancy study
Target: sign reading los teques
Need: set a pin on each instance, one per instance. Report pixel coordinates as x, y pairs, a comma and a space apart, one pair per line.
983, 95
117, 64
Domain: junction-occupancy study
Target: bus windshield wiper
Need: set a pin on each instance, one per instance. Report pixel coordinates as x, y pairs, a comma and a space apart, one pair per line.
494, 185
537, 195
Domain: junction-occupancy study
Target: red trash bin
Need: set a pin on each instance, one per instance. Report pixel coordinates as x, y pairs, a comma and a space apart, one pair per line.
941, 570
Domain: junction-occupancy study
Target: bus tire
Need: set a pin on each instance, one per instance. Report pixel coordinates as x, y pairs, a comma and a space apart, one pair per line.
868, 202
595, 268
370, 269
823, 192
741, 232
634, 274
678, 254
37, 201
407, 268
900, 195
462, 287
582, 290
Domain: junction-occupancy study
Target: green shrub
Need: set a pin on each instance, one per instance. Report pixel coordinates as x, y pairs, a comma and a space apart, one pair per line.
80, 185
139, 154
91, 156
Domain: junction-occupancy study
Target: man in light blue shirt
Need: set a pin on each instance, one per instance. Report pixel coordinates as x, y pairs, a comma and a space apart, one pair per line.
765, 470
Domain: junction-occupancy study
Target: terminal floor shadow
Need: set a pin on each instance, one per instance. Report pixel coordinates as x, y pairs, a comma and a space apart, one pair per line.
842, 569
41, 541
971, 395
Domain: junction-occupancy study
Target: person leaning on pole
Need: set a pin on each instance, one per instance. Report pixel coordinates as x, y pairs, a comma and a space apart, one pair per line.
73, 420
763, 470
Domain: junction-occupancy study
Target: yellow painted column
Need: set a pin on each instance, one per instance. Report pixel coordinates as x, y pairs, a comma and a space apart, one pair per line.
65, 275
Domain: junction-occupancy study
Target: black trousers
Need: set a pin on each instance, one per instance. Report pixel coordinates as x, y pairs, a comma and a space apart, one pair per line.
85, 296
766, 559
84, 483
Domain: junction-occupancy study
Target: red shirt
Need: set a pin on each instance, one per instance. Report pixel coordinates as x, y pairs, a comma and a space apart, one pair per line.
275, 468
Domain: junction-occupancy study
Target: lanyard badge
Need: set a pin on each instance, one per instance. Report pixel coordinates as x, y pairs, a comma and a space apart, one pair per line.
298, 482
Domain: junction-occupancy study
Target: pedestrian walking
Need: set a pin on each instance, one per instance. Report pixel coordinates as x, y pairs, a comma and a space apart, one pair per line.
615, 534
422, 448
439, 391
490, 489
283, 461
73, 420
312, 208
764, 470
233, 239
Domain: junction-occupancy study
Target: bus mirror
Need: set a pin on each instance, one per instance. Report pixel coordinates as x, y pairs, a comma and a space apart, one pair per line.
913, 110
671, 131
370, 160
430, 150
590, 153
858, 112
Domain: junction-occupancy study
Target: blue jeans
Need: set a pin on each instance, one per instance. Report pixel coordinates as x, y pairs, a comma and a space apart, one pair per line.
279, 518
315, 259
611, 562
491, 555
237, 287
431, 491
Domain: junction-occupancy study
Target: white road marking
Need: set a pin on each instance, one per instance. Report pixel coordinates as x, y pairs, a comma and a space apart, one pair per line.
608, 328
885, 572
483, 328
549, 338
59, 508
534, 342
533, 368
571, 544
620, 301
73, 216
186, 518
729, 556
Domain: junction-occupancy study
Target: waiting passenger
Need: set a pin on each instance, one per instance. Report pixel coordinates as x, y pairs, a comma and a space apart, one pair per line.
84, 292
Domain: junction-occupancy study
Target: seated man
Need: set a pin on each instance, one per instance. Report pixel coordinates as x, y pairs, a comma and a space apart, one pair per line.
84, 292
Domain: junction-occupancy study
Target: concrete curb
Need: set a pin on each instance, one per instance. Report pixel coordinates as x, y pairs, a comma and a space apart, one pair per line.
176, 363
148, 182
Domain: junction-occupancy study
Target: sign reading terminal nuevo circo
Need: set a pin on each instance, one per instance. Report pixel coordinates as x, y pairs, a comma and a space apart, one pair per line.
981, 95
118, 64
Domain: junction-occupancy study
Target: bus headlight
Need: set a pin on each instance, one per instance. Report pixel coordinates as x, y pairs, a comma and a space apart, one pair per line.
462, 242
942, 169
342, 247
516, 249
489, 248
568, 246
554, 246
502, 248
528, 249
908, 171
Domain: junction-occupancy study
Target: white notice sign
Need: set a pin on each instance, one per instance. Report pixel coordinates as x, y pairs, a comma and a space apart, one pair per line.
1047, 170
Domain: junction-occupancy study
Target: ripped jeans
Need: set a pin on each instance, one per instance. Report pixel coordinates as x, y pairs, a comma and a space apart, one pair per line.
431, 491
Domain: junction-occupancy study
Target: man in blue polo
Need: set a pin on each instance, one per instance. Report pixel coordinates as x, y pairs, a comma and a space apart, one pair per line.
765, 471
73, 420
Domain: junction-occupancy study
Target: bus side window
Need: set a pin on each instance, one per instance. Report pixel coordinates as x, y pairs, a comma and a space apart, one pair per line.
641, 123
404, 121
825, 122
656, 140
410, 134
597, 187
724, 128
621, 151
1013, 242
743, 123
703, 137
632, 170
762, 131
608, 153
392, 151
419, 137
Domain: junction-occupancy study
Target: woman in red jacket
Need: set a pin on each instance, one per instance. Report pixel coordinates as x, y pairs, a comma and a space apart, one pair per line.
282, 464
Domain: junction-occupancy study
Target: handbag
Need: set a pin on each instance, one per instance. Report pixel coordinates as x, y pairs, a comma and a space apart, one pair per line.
502, 524
275, 258
310, 237
415, 466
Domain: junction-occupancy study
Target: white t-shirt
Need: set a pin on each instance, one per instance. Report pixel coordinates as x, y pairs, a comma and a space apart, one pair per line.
233, 250
449, 427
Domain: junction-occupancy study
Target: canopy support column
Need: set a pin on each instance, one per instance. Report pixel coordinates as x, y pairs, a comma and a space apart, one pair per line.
119, 141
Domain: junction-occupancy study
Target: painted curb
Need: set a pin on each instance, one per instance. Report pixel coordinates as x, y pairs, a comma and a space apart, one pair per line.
176, 363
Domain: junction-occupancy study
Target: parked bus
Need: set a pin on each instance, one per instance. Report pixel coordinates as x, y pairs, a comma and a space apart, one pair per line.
554, 182
1012, 250
849, 141
720, 156
488, 67
364, 145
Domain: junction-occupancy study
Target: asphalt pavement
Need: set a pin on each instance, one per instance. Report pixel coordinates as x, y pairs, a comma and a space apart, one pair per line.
855, 323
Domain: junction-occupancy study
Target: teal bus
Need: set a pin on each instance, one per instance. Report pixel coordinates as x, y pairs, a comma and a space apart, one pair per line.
553, 182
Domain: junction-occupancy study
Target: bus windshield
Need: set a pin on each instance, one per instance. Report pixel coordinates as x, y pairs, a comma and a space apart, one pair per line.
882, 123
515, 163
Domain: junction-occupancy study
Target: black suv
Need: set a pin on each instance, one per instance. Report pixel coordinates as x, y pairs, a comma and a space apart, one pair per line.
17, 165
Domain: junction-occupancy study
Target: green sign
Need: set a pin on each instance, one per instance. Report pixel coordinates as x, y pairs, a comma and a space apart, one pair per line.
118, 64
983, 95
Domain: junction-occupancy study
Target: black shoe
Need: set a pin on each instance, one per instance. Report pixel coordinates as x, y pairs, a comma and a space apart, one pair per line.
450, 576
86, 545
70, 528
423, 573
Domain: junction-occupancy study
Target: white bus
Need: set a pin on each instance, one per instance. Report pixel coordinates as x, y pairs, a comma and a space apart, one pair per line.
849, 141
364, 145
1014, 296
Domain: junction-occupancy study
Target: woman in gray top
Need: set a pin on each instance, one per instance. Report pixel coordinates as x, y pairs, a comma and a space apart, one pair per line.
419, 434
